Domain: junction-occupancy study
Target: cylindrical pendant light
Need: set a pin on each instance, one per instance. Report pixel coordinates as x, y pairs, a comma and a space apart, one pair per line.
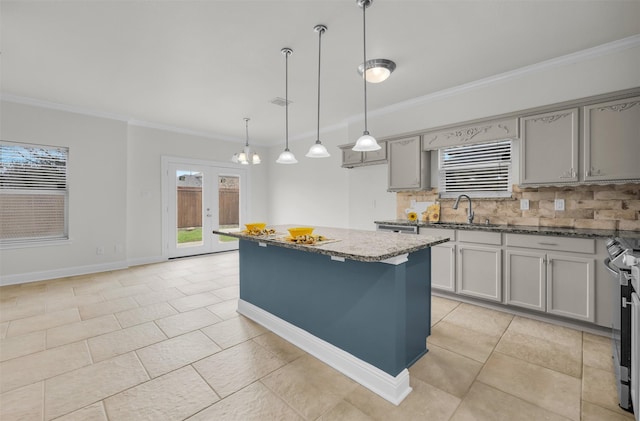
286, 157
318, 150
366, 142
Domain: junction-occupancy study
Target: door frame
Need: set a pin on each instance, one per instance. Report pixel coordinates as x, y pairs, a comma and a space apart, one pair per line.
214, 165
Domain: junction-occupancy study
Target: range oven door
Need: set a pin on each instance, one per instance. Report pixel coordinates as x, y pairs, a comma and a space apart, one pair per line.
635, 353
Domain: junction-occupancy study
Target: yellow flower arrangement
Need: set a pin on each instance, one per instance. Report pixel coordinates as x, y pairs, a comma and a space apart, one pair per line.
412, 216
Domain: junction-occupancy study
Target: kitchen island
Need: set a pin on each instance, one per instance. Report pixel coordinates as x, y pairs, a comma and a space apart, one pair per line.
359, 301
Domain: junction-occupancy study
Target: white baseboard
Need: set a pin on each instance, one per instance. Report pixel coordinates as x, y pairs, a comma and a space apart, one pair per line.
23, 278
393, 389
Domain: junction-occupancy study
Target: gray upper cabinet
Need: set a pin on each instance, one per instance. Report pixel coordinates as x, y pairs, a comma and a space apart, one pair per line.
611, 139
351, 158
408, 164
549, 148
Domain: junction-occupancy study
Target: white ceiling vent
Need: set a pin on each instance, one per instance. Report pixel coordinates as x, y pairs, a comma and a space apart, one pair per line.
280, 101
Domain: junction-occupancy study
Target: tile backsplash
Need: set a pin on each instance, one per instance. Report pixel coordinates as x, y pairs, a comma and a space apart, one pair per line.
593, 206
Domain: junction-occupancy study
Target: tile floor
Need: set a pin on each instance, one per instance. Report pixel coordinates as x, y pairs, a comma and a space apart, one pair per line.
163, 342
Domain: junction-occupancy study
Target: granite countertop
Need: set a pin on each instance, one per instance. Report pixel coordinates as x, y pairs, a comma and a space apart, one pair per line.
521, 229
363, 246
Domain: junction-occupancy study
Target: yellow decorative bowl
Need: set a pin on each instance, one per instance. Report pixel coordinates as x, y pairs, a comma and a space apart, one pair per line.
298, 231
255, 226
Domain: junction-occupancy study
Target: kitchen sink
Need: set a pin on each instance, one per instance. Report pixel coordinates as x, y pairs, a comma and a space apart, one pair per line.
465, 224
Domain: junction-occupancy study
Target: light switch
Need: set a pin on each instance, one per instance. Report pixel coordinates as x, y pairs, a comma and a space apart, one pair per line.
524, 204
559, 204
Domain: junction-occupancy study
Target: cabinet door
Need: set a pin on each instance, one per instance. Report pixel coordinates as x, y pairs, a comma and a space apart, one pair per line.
571, 287
443, 267
376, 156
404, 163
611, 138
549, 148
525, 280
350, 157
479, 272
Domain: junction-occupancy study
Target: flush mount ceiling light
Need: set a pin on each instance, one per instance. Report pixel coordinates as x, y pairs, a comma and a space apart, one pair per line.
318, 150
286, 157
366, 142
378, 69
245, 157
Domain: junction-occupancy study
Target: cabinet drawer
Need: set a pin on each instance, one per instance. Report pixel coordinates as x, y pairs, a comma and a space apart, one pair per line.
494, 238
438, 232
575, 245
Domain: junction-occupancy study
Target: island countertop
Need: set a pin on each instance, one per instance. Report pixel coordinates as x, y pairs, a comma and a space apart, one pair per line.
360, 245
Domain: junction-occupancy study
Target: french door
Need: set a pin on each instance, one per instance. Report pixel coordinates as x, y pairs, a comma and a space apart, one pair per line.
201, 197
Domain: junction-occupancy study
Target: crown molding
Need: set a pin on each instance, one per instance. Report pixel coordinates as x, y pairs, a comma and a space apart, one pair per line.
181, 130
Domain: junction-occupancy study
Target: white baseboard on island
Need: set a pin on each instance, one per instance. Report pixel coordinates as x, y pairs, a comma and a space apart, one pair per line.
393, 389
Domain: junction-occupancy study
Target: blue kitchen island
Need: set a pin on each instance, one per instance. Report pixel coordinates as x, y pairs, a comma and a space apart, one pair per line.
359, 301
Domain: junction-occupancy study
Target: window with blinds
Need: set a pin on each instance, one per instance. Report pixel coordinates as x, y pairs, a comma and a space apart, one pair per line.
33, 193
480, 170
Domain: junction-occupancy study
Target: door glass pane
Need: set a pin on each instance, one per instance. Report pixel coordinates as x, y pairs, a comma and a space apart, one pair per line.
189, 208
228, 205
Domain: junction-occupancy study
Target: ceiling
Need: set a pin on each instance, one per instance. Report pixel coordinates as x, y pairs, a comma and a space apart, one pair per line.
204, 65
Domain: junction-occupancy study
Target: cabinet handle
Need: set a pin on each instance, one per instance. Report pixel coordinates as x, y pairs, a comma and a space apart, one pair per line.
547, 244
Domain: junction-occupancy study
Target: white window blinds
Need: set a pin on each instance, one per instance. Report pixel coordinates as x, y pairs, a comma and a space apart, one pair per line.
33, 192
482, 169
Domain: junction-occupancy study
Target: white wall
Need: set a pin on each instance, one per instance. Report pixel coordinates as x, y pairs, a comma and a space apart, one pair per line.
97, 176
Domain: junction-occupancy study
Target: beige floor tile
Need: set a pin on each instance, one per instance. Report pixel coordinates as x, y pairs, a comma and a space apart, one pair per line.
50, 295
173, 396
225, 310
539, 351
591, 412
78, 331
128, 291
228, 281
75, 301
309, 386
198, 287
425, 402
125, 340
32, 368
129, 279
174, 353
440, 307
551, 390
232, 369
192, 302
599, 387
253, 403
23, 404
145, 314
94, 412
162, 284
43, 322
158, 296
284, 350
107, 307
484, 403
4, 327
13, 312
344, 411
204, 276
563, 336
597, 353
79, 388
186, 322
174, 273
227, 293
446, 370
233, 331
96, 286
463, 341
479, 319
18, 346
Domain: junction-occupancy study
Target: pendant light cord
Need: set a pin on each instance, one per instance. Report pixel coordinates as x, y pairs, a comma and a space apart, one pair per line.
246, 123
319, 56
364, 73
286, 100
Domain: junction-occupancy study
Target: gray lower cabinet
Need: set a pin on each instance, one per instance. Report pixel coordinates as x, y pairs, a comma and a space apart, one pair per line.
525, 279
571, 287
443, 267
611, 134
479, 271
408, 164
549, 147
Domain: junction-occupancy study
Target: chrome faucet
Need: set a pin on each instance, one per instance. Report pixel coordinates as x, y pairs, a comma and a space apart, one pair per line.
470, 214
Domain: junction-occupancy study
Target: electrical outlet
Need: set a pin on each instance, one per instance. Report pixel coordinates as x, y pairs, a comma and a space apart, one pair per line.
100, 250
559, 204
524, 204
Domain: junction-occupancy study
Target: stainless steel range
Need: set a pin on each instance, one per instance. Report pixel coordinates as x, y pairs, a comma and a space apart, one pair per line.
623, 261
